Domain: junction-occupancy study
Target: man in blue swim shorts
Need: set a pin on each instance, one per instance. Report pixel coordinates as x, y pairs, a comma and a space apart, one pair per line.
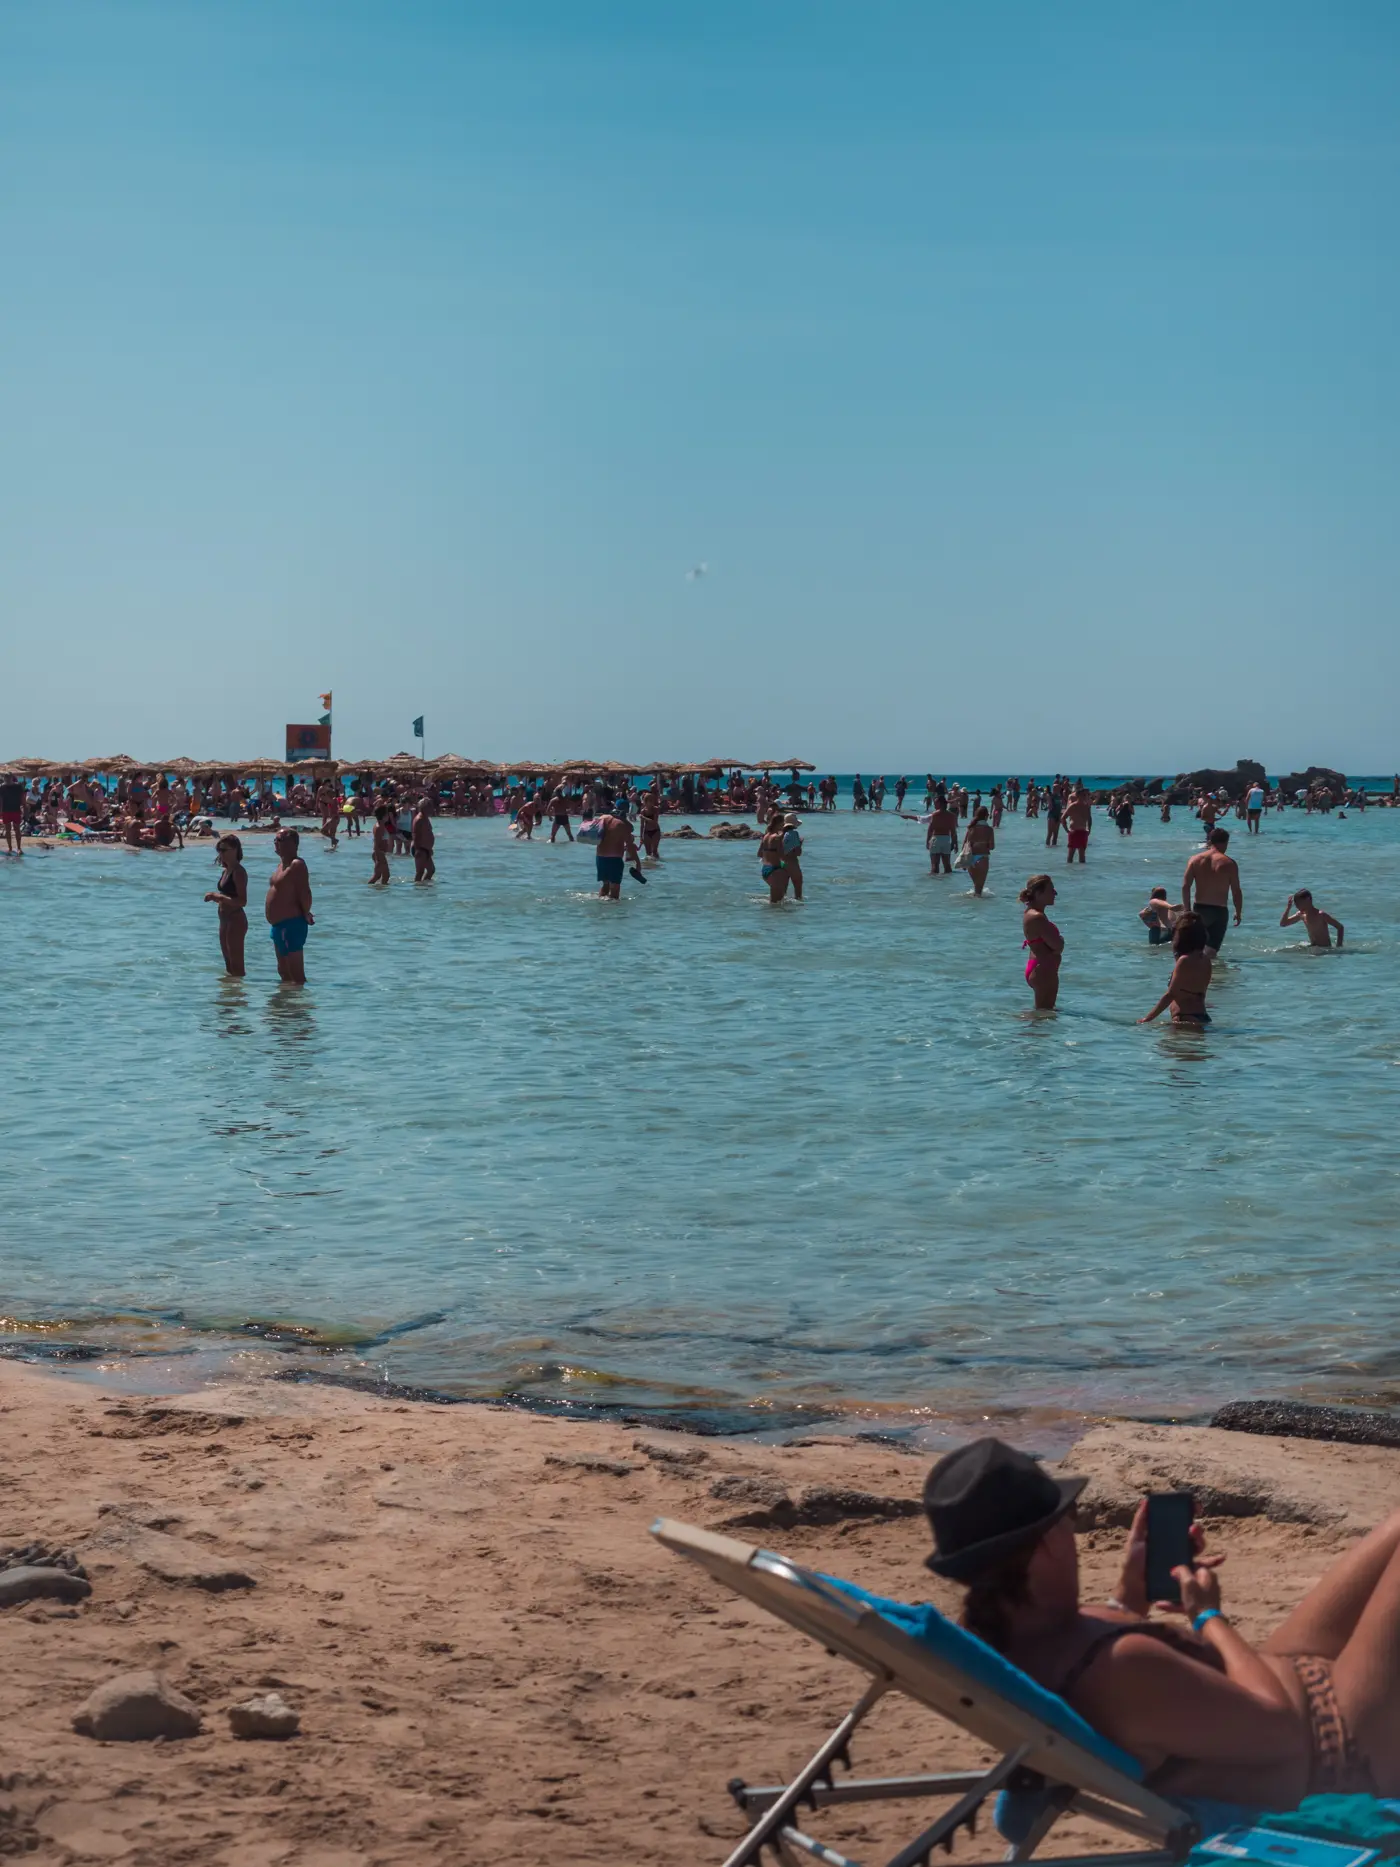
616, 844
288, 908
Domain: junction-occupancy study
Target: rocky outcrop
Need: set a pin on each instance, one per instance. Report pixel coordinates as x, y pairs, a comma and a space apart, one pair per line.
1234, 1475
1315, 778
1234, 783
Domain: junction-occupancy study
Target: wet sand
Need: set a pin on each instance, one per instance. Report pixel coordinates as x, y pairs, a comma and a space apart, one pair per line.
491, 1657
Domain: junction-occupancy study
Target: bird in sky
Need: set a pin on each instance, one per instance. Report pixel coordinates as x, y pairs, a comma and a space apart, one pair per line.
696, 572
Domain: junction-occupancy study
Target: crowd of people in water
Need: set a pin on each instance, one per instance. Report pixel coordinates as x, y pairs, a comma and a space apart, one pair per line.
622, 821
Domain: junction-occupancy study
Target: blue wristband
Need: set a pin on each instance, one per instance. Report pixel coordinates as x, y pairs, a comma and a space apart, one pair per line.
1206, 1614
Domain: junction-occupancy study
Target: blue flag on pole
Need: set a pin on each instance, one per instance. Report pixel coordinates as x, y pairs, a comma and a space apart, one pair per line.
418, 727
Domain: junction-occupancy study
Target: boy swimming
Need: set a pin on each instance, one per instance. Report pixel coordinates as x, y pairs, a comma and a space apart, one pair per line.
1301, 907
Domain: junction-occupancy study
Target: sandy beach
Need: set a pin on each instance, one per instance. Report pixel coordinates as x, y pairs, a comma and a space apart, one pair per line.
490, 1656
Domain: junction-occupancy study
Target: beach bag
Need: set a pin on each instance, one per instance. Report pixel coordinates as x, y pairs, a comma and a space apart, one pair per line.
960, 860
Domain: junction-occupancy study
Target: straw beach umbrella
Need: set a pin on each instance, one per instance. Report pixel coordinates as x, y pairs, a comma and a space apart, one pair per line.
120, 761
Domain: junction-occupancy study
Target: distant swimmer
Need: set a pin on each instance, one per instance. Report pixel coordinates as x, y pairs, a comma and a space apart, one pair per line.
382, 845
1044, 941
978, 844
288, 908
792, 852
615, 845
422, 839
1186, 991
1215, 878
1079, 821
231, 894
1301, 907
1157, 917
1254, 800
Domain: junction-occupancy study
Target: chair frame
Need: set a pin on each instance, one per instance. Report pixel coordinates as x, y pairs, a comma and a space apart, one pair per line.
1032, 1755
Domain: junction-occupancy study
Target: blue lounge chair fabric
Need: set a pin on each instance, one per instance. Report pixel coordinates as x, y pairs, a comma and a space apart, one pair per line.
983, 1664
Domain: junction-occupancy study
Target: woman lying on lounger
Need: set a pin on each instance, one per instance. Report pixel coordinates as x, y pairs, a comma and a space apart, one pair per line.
1315, 1708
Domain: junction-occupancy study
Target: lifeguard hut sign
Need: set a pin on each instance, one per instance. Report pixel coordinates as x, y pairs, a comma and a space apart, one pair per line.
305, 742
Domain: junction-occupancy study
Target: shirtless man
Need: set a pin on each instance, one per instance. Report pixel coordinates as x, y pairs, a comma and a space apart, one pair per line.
382, 846
1301, 907
559, 815
1215, 878
421, 838
616, 844
1079, 820
288, 908
942, 828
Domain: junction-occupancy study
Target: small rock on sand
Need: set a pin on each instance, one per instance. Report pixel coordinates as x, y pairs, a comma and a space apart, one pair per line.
136, 1707
671, 1455
590, 1462
269, 1716
18, 1585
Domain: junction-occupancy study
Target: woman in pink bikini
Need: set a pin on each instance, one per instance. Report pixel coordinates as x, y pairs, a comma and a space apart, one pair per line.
1044, 940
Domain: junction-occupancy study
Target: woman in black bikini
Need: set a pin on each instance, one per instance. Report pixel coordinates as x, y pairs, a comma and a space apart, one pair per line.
1186, 989
1315, 1709
231, 894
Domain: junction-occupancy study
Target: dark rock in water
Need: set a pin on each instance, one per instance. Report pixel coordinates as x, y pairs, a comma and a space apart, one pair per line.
1234, 783
1315, 778
734, 832
17, 1585
1295, 1419
136, 1707
25, 1350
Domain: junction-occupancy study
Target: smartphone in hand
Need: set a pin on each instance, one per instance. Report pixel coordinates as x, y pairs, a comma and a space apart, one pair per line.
1170, 1515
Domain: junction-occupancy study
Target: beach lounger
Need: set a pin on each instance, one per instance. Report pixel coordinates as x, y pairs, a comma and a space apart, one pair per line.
1049, 1761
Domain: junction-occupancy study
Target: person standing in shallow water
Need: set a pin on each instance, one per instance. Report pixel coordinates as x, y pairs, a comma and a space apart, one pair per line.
231, 894
422, 837
1044, 941
382, 844
288, 908
978, 844
1186, 990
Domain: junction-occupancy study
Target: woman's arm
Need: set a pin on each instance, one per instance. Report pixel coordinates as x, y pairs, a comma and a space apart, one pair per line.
1157, 1702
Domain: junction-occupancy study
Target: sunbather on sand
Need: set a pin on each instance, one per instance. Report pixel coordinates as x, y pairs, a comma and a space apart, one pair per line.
1315, 1709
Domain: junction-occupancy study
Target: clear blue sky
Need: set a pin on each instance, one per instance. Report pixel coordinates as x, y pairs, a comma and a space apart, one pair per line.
1025, 371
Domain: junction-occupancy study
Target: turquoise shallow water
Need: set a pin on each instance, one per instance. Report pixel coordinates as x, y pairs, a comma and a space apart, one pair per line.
697, 1152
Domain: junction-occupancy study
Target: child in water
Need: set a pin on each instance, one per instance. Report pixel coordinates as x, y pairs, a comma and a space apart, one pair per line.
1156, 917
1301, 907
1186, 991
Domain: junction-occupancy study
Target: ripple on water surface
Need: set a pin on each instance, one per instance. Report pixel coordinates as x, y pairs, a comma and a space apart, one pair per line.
697, 1152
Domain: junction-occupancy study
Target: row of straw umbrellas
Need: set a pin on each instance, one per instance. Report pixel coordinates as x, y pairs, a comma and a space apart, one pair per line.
451, 764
